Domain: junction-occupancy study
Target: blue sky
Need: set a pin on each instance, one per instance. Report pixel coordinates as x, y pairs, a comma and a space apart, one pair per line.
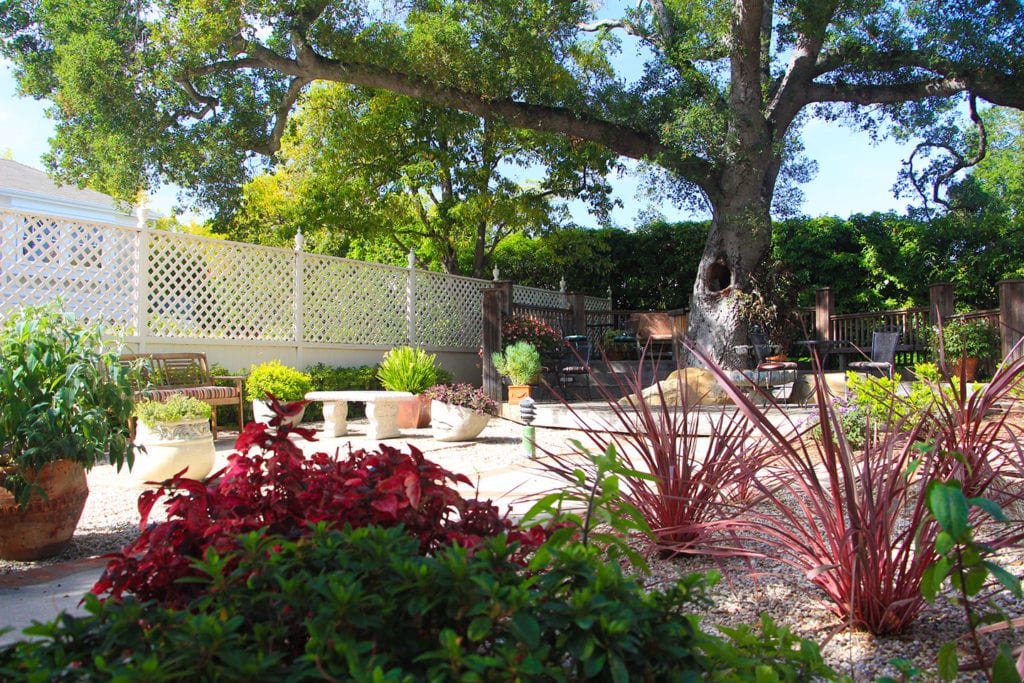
854, 175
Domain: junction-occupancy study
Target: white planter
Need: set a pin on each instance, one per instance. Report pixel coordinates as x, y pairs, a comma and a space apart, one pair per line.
455, 423
172, 447
261, 412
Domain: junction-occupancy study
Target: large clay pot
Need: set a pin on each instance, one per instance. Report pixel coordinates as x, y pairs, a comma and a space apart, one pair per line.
172, 447
414, 413
456, 423
44, 527
970, 368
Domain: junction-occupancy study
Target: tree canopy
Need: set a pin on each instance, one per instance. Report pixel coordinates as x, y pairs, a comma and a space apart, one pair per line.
195, 92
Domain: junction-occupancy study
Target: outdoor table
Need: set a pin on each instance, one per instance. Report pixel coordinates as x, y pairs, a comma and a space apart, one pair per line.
822, 346
381, 410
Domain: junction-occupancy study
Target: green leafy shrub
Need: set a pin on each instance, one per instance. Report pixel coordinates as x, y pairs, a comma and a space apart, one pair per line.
283, 382
520, 363
970, 338
405, 368
367, 605
177, 407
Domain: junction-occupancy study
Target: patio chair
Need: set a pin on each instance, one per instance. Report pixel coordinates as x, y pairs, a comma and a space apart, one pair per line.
770, 370
576, 363
883, 355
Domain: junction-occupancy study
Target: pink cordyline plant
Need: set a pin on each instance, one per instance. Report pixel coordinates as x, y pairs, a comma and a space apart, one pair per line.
697, 483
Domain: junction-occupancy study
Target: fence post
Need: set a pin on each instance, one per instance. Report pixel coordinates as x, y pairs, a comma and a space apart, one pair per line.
144, 273
940, 302
824, 304
410, 299
507, 296
578, 311
493, 306
1011, 315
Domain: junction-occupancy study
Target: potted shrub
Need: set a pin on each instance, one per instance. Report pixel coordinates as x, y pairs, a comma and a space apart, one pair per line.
976, 340
459, 412
66, 405
175, 435
520, 364
283, 382
405, 368
618, 344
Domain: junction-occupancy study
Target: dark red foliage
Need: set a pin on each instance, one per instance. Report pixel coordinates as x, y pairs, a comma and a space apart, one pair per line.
270, 485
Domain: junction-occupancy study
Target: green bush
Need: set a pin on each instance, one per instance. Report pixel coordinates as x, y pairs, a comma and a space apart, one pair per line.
285, 383
405, 368
177, 407
520, 363
366, 605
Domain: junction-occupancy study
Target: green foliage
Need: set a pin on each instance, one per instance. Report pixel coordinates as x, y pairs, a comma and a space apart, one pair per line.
966, 564
883, 399
366, 605
327, 378
64, 395
284, 382
405, 368
970, 338
520, 363
175, 408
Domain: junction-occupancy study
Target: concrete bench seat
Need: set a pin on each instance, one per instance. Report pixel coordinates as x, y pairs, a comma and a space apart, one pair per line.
381, 410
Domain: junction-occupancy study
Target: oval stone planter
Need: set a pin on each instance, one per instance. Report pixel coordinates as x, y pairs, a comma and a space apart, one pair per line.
261, 412
172, 447
44, 527
456, 423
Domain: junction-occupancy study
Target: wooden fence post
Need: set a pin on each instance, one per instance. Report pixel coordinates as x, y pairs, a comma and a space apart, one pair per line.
824, 304
1011, 315
493, 305
578, 311
504, 288
940, 302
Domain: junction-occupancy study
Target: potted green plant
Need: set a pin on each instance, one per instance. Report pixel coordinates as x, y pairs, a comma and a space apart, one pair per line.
460, 411
977, 341
283, 382
410, 369
618, 344
520, 364
175, 435
66, 406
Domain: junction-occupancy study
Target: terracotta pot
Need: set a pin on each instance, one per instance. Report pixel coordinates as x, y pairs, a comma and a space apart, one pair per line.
517, 392
414, 413
970, 369
172, 447
44, 527
456, 423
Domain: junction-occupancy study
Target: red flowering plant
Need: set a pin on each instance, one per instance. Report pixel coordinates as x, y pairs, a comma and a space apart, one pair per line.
269, 486
540, 334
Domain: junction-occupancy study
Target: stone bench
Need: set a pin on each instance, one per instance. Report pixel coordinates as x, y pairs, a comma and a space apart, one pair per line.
381, 410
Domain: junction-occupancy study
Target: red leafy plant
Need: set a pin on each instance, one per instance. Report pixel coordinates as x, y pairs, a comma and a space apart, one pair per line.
271, 487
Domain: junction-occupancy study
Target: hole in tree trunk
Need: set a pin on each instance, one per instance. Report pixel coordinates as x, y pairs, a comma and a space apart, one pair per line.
718, 277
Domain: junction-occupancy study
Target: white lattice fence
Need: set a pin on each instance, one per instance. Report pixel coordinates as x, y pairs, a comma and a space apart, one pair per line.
532, 296
196, 288
448, 310
90, 266
351, 302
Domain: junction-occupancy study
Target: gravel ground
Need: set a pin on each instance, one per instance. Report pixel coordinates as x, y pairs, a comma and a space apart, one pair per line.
111, 519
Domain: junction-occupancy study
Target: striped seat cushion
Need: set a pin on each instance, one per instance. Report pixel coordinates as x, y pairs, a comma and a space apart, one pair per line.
202, 393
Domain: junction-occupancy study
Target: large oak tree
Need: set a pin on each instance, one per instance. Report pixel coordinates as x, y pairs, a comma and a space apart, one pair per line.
190, 90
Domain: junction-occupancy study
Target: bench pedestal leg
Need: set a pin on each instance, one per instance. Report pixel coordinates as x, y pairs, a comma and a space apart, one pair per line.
336, 418
383, 416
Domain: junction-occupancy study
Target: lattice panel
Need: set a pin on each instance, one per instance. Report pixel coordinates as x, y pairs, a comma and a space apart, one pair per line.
532, 296
449, 310
596, 303
220, 290
91, 266
351, 302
